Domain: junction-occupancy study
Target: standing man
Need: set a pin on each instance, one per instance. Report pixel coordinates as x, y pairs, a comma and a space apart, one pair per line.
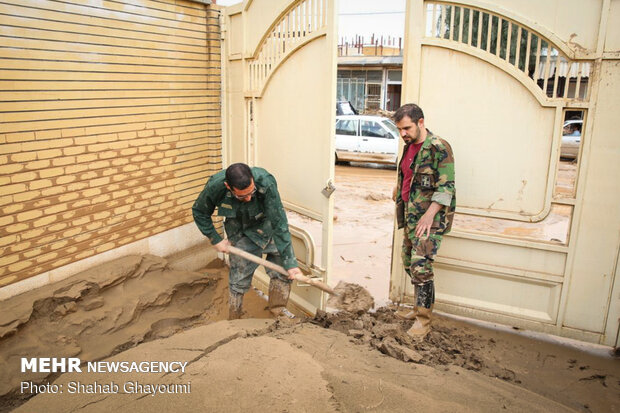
425, 201
255, 221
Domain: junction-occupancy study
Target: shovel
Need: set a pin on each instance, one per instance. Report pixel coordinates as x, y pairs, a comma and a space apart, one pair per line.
257, 260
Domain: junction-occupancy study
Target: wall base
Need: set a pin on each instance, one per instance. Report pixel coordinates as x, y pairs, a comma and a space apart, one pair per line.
185, 246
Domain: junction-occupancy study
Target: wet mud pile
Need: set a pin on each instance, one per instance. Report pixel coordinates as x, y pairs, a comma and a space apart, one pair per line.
101, 312
352, 298
581, 381
385, 332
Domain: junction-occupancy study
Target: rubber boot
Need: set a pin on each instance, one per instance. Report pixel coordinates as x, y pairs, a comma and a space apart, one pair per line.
406, 313
235, 304
278, 296
425, 298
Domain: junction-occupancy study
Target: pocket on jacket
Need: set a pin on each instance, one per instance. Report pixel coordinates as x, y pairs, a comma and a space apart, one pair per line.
425, 180
400, 213
226, 211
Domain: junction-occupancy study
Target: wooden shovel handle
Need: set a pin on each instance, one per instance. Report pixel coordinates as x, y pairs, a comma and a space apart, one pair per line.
268, 264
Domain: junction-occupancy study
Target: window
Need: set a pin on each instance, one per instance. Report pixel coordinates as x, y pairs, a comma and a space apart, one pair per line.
373, 96
571, 135
351, 89
394, 84
373, 129
570, 149
374, 76
395, 76
393, 97
346, 127
390, 125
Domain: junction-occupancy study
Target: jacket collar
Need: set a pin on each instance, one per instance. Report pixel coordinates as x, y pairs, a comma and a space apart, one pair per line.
425, 147
427, 142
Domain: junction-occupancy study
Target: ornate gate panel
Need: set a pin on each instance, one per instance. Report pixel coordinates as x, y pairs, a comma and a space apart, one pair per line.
284, 55
500, 88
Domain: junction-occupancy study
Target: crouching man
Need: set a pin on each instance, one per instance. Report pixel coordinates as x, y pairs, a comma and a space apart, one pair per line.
254, 221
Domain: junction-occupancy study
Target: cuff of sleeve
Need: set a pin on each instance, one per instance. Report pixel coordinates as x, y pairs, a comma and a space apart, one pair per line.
290, 263
216, 239
442, 198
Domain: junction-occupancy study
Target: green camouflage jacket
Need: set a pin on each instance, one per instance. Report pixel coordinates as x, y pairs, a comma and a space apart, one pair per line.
433, 180
261, 219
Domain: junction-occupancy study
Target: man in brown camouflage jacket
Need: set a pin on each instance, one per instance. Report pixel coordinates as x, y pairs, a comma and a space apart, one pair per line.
425, 201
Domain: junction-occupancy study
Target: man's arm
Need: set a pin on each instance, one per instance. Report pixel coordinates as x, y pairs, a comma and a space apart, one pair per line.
281, 234
423, 228
202, 210
444, 190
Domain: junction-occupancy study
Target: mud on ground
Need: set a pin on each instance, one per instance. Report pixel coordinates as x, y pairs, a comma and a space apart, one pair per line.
254, 364
573, 378
136, 309
106, 310
383, 331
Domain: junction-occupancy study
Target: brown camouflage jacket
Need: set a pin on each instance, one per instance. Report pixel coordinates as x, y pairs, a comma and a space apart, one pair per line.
433, 180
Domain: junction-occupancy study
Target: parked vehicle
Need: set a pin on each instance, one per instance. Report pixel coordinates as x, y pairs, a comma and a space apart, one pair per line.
571, 139
362, 138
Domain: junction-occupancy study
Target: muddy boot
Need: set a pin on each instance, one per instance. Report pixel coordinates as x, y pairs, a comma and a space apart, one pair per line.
278, 296
406, 313
422, 324
235, 302
425, 298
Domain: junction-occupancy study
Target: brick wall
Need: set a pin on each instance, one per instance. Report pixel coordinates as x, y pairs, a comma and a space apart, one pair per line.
110, 125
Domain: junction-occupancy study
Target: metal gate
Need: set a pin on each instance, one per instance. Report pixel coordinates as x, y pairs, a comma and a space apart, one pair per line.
279, 99
499, 87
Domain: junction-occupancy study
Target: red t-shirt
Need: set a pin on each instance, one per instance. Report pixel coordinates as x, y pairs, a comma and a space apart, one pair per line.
405, 167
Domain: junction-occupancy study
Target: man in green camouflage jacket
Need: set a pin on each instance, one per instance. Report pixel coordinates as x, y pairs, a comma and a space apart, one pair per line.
255, 221
425, 198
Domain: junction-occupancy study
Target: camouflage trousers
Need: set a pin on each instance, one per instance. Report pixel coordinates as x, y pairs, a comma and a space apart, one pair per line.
242, 270
418, 255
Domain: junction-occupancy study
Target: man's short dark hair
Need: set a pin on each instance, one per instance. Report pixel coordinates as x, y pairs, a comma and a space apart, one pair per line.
410, 109
239, 176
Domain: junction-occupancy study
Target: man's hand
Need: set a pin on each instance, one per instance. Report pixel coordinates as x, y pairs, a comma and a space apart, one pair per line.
394, 192
293, 272
222, 246
423, 229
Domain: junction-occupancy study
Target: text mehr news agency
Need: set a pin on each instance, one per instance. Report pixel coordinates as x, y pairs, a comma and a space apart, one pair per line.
72, 364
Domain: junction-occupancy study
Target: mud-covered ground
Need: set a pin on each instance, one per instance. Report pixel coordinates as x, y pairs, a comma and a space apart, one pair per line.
576, 379
106, 310
334, 362
137, 308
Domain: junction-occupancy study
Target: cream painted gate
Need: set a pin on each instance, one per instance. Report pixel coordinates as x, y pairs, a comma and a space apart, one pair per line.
498, 81
279, 99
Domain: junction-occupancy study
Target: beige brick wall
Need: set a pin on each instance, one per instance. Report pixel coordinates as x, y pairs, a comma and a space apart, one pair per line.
110, 126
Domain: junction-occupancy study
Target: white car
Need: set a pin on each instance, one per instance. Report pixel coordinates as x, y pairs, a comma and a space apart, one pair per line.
362, 138
571, 139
